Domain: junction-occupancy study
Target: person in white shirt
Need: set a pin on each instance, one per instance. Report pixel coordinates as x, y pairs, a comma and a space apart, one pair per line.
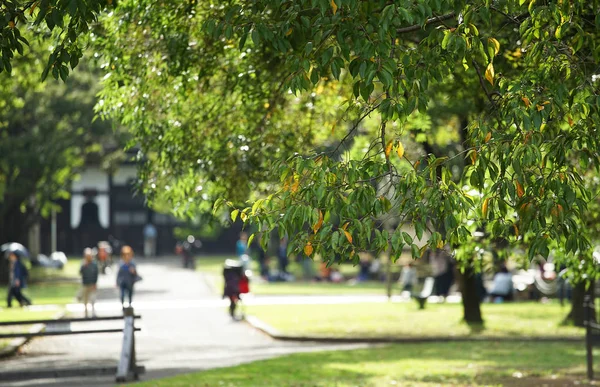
408, 278
502, 287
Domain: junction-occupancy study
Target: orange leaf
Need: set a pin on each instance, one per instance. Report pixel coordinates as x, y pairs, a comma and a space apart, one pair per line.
334, 6
289, 32
11, 24
319, 223
488, 136
484, 206
570, 119
417, 163
348, 236
295, 185
388, 148
526, 101
516, 230
308, 249
473, 156
520, 191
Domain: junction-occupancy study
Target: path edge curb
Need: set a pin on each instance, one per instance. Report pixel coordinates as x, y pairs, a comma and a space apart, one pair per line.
267, 329
16, 344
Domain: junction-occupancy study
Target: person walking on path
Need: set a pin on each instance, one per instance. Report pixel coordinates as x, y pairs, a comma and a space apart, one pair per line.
17, 281
150, 235
127, 275
89, 281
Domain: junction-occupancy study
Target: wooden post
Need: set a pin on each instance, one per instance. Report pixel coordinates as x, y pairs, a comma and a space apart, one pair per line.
127, 365
587, 321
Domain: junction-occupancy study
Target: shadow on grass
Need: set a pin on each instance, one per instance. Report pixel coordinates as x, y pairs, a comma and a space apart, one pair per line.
456, 364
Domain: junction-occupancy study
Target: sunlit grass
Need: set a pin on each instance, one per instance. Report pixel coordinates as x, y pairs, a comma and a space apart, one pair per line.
448, 364
406, 320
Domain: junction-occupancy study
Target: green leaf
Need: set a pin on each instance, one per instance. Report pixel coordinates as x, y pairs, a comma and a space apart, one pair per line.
234, 214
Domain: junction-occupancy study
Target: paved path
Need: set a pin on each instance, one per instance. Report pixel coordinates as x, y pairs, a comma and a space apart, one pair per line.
185, 328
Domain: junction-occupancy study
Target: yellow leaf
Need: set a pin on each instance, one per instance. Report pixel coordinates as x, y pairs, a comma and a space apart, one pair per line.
484, 206
308, 249
520, 190
440, 244
495, 44
289, 32
516, 230
319, 223
388, 148
526, 101
417, 163
400, 149
244, 216
345, 226
333, 127
11, 24
334, 6
488, 136
348, 236
489, 73
539, 107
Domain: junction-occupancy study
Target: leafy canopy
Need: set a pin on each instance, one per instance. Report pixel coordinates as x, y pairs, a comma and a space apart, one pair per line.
247, 99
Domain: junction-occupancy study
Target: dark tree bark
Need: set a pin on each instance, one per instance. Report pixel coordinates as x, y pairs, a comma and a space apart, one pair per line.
469, 289
576, 313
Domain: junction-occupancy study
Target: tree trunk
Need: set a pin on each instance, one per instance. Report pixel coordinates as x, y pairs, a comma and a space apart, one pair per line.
576, 314
470, 298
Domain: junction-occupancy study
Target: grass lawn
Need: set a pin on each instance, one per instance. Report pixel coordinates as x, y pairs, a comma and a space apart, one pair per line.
22, 314
405, 320
448, 364
60, 293
212, 267
69, 272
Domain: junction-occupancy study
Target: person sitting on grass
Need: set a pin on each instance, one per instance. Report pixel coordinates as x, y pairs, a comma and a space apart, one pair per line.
17, 281
408, 278
89, 280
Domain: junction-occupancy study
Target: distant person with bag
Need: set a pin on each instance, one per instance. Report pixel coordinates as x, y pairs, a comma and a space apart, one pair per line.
17, 281
150, 234
127, 275
89, 280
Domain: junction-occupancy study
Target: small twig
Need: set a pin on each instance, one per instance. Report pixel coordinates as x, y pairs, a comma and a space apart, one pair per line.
433, 20
487, 93
354, 127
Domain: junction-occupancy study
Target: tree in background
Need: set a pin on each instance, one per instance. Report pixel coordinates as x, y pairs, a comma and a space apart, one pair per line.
47, 131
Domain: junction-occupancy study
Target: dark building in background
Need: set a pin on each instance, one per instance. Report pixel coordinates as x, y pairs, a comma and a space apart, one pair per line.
102, 205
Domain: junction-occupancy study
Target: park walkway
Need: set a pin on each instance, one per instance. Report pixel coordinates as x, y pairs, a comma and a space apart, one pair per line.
185, 328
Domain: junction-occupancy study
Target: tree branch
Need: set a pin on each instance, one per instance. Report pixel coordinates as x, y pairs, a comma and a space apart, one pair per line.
487, 93
433, 20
